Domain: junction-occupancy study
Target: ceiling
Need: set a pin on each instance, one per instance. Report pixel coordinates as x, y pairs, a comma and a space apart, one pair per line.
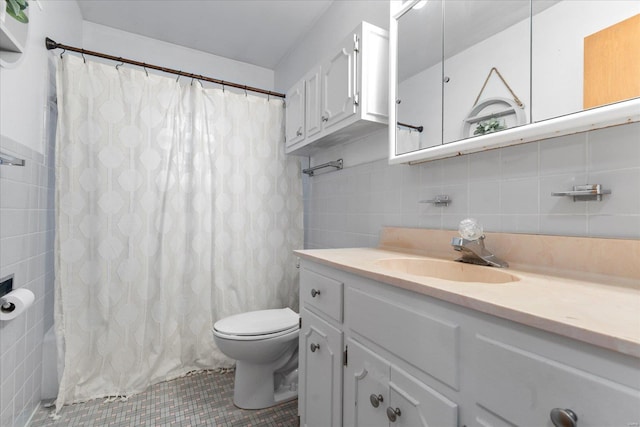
259, 32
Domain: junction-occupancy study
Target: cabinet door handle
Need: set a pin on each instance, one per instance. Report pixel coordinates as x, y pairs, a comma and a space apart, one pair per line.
298, 132
314, 347
563, 417
325, 118
314, 293
392, 414
375, 400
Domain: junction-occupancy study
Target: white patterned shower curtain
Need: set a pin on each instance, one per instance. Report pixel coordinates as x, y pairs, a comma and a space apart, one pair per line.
175, 206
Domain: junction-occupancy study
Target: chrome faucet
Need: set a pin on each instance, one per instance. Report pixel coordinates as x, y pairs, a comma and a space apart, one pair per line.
474, 252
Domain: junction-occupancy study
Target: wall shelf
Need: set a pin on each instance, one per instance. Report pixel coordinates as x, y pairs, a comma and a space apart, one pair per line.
13, 41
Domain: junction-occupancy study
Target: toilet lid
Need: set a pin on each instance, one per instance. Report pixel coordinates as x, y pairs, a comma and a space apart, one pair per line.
260, 322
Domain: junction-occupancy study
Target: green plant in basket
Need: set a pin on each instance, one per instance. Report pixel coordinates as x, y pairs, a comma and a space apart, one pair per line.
16, 9
488, 126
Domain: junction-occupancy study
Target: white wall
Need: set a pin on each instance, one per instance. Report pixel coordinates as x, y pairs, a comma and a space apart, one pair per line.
508, 189
116, 42
341, 17
558, 54
26, 204
24, 88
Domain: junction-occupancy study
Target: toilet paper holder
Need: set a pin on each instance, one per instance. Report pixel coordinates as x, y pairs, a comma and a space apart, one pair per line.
6, 286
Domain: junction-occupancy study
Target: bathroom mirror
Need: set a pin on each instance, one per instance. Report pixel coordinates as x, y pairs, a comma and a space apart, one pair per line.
473, 75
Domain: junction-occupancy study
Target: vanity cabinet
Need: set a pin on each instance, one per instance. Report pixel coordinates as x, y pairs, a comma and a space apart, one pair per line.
378, 393
345, 96
518, 383
321, 353
294, 126
410, 359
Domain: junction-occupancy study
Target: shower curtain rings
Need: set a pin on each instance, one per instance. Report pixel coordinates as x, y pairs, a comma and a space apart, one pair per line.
120, 64
62, 53
245, 91
178, 78
144, 66
83, 58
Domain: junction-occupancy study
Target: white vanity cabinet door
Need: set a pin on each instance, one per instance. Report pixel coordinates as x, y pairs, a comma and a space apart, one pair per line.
419, 405
521, 387
338, 84
313, 102
369, 380
295, 114
320, 373
365, 375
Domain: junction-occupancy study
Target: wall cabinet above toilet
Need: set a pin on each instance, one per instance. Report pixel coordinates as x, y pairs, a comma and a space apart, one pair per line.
343, 97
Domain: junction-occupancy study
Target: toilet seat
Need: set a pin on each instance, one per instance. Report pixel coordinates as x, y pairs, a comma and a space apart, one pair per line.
257, 325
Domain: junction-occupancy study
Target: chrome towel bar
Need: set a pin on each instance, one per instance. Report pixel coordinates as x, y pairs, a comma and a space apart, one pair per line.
9, 160
335, 164
584, 192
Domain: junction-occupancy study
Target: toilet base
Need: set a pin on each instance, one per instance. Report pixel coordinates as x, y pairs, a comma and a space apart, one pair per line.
254, 386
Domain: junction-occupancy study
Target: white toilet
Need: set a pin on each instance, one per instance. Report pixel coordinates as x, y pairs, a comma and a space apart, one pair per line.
265, 346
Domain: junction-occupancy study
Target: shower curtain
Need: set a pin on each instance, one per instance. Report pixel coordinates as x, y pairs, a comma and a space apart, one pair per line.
175, 206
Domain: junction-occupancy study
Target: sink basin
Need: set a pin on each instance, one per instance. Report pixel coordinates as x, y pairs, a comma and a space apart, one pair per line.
446, 270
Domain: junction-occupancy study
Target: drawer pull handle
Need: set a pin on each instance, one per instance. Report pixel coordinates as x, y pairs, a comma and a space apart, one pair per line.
563, 417
392, 414
375, 400
314, 293
314, 347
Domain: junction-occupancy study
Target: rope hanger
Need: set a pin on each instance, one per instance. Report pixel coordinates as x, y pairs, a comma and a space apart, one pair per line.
515, 97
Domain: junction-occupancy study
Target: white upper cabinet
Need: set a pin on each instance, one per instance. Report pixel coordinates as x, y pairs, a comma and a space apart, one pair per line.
312, 102
294, 128
346, 96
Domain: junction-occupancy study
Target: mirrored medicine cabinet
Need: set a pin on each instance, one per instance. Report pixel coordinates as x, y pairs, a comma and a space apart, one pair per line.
470, 75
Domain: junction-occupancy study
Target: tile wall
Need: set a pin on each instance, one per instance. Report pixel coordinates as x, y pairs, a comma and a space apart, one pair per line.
26, 250
507, 190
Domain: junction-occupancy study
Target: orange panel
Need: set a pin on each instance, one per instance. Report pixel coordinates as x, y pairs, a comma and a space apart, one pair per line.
612, 63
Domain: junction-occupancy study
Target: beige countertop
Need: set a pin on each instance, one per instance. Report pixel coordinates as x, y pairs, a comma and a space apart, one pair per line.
599, 309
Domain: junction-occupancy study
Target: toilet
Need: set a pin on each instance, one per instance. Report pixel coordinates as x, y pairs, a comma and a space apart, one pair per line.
264, 344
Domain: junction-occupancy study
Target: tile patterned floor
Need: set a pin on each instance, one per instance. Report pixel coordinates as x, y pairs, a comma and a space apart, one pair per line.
201, 399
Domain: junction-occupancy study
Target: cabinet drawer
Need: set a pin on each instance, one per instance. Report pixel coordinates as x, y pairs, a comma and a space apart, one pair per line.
424, 342
522, 388
322, 293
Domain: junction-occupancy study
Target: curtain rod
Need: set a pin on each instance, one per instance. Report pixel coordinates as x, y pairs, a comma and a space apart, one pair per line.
50, 44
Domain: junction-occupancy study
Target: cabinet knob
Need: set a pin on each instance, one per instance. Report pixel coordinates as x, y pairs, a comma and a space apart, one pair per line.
375, 400
563, 417
298, 132
325, 118
314, 347
314, 293
392, 414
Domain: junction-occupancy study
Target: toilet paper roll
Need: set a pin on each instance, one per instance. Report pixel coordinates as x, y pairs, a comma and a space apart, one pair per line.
15, 302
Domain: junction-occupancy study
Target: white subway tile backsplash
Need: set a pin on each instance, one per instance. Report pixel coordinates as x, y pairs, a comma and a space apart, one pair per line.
614, 148
624, 197
561, 205
519, 161
485, 166
615, 226
519, 196
455, 170
563, 155
484, 197
507, 189
529, 224
564, 225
